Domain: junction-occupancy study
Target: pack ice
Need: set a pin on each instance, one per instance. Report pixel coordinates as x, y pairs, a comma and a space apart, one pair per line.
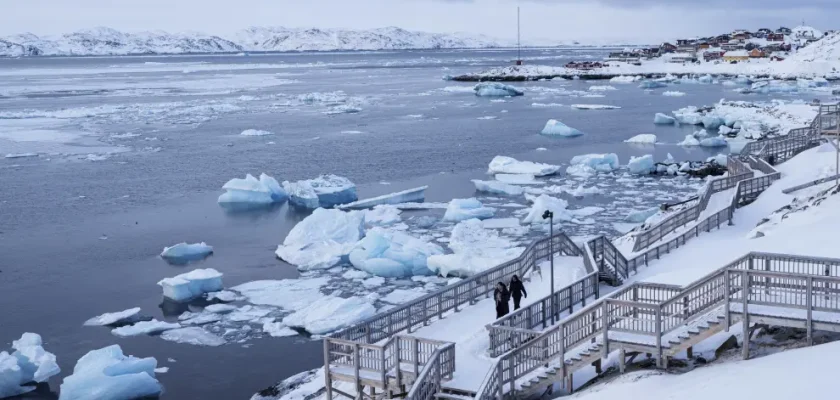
393, 254
556, 128
323, 239
495, 89
496, 187
715, 141
108, 374
183, 252
645, 138
557, 206
252, 192
192, 284
475, 249
330, 313
463, 209
641, 165
416, 195
509, 165
652, 85
28, 365
324, 191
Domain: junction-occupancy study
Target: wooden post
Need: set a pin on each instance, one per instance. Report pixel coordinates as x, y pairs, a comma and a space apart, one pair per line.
416, 352
571, 387
597, 365
385, 369
327, 380
359, 388
398, 363
745, 320
605, 351
727, 320
501, 380
621, 360
809, 306
659, 337
689, 352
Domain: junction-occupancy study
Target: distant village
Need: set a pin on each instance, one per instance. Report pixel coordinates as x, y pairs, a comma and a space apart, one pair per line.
739, 46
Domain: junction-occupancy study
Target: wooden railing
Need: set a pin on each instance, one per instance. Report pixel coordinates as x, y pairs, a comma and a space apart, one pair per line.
440, 366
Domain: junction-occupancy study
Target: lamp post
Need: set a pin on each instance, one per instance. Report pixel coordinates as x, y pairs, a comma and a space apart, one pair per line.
550, 217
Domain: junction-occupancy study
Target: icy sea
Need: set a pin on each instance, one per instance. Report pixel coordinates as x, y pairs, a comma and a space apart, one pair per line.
104, 161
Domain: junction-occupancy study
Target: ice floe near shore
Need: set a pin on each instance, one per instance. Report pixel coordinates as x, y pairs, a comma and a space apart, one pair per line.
393, 254
252, 192
475, 249
323, 191
415, 195
556, 128
464, 209
127, 316
26, 366
183, 252
496, 187
662, 119
323, 239
495, 89
330, 313
190, 285
509, 165
588, 164
109, 374
645, 138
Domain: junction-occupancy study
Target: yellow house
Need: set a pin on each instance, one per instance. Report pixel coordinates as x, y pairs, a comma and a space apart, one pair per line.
736, 55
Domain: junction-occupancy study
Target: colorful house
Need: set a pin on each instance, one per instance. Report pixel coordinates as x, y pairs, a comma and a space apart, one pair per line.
736, 55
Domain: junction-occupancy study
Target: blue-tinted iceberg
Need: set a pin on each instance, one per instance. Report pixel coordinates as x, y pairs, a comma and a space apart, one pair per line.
464, 209
652, 85
556, 128
688, 116
252, 192
192, 284
393, 254
108, 374
712, 122
144, 328
323, 239
662, 119
27, 365
323, 191
705, 79
715, 141
641, 216
330, 313
127, 316
641, 165
183, 252
495, 89
416, 195
689, 140
496, 187
509, 165
475, 249
589, 164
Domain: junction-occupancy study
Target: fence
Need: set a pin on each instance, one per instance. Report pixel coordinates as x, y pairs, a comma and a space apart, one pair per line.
441, 365
812, 183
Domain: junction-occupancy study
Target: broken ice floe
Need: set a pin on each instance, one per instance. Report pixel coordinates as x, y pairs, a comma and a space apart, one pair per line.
252, 192
28, 365
323, 191
508, 165
416, 195
556, 128
322, 239
109, 374
182, 253
192, 284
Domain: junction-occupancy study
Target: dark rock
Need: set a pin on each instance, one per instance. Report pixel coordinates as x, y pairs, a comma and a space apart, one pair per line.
729, 344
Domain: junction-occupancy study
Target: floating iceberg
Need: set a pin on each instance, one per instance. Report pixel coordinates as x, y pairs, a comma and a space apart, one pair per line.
725, 130
500, 223
183, 252
641, 216
122, 317
463, 209
662, 119
652, 85
251, 192
496, 187
144, 328
688, 116
475, 248
673, 93
720, 159
393, 254
383, 215
645, 138
28, 364
547, 203
594, 107
193, 335
416, 195
712, 122
715, 141
323, 239
641, 165
705, 79
508, 165
192, 284
556, 128
495, 89
625, 79
518, 179
288, 294
330, 313
589, 164
108, 374
581, 191
255, 132
689, 140
743, 80
323, 191
277, 329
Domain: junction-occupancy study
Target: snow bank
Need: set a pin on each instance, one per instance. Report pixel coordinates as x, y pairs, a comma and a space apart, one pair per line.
415, 195
496, 187
126, 316
192, 284
330, 313
495, 89
323, 191
463, 209
662, 119
252, 191
108, 374
508, 165
475, 249
645, 138
183, 252
641, 165
255, 132
393, 254
556, 128
29, 363
588, 164
323, 239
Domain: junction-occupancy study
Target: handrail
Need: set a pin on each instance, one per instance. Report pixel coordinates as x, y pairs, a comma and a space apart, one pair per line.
811, 183
429, 381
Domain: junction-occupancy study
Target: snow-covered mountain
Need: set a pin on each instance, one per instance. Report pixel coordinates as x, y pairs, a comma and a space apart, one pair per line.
107, 41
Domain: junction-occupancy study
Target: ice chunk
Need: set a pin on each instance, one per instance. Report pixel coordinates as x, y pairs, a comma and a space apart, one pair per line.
416, 195
712, 122
508, 165
500, 223
652, 85
108, 374
250, 192
382, 215
715, 141
255, 132
673, 93
183, 252
193, 335
662, 119
581, 191
12, 377
29, 363
220, 308
547, 203
556, 128
641, 216
641, 165
330, 313
594, 107
689, 140
144, 328
645, 138
495, 89
374, 282
625, 79
705, 79
463, 209
743, 80
688, 116
475, 248
588, 164
322, 239
277, 329
192, 284
323, 191
518, 179
289, 294
497, 188
725, 130
720, 159
121, 317
393, 254
400, 296
355, 274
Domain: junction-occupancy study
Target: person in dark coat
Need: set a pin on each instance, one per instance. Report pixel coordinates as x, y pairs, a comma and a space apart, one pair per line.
502, 297
517, 290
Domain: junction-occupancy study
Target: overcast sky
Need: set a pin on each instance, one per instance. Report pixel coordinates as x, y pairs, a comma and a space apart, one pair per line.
626, 20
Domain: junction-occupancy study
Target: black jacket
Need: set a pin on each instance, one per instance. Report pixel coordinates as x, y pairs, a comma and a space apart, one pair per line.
501, 296
517, 289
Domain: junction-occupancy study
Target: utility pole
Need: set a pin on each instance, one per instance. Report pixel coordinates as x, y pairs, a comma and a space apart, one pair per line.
518, 39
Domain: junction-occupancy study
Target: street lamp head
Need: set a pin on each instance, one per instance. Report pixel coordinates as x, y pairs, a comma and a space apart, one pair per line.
548, 214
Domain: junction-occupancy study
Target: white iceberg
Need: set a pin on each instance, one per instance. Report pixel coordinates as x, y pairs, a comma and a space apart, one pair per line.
277, 329
712, 122
382, 215
645, 138
545, 203
652, 85
662, 119
330, 313
393, 254
495, 89
183, 252
508, 165
720, 159
288, 294
475, 248
464, 209
192, 284
108, 374
323, 191
121, 317
673, 93
689, 140
416, 195
518, 179
252, 192
715, 141
323, 239
581, 191
594, 107
625, 79
496, 187
705, 79
641, 165
556, 128
144, 328
193, 335
588, 164
641, 216
725, 130
500, 223
28, 364
255, 132
688, 116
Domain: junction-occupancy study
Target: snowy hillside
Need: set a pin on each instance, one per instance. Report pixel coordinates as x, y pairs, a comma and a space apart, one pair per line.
107, 41
825, 50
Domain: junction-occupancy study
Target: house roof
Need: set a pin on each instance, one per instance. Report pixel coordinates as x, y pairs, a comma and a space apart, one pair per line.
737, 53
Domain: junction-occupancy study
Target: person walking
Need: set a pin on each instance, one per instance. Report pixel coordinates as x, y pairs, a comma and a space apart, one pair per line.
502, 297
517, 290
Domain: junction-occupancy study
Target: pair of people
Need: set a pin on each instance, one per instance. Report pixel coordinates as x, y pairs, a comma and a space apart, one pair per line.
503, 293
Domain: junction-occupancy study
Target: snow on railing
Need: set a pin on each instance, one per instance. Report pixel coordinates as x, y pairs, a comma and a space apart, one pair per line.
441, 366
812, 183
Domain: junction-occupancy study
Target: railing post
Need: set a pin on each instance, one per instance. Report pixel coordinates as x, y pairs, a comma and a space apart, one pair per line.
415, 349
398, 362
727, 321
745, 320
327, 378
385, 369
605, 327
499, 372
356, 366
659, 363
809, 305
